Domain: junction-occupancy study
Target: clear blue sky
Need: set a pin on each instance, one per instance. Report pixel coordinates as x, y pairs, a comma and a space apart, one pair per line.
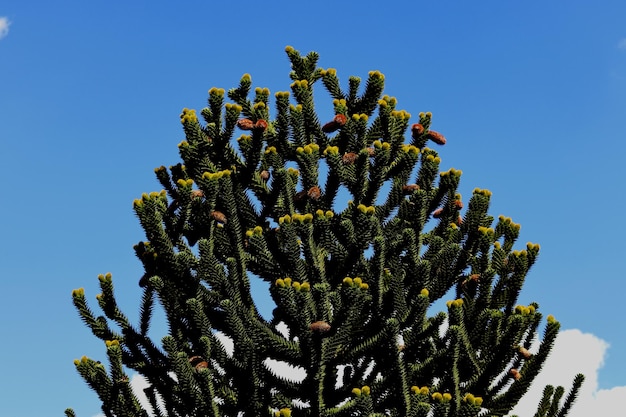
531, 96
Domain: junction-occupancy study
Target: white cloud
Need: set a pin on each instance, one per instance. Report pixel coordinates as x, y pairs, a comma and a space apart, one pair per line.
4, 26
575, 352
292, 373
139, 383
622, 44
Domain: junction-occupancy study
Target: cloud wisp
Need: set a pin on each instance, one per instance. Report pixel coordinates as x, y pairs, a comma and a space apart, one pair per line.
622, 44
4, 26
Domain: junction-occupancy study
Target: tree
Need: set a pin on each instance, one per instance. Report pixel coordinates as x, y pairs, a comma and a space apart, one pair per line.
352, 281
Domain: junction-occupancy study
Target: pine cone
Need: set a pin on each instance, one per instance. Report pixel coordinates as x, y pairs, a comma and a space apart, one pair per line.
349, 158
218, 216
417, 130
514, 373
524, 353
245, 124
314, 193
410, 188
320, 327
198, 363
436, 137
338, 121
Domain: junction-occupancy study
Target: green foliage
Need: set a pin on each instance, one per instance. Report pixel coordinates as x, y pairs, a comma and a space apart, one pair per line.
352, 282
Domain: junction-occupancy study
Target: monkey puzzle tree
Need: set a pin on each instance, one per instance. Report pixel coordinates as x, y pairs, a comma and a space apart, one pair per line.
352, 280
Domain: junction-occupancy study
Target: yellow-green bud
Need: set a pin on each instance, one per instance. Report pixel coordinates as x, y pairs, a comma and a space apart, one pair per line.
216, 91
376, 74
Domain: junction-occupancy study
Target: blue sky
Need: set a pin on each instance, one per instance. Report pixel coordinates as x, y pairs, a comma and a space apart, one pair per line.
531, 97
